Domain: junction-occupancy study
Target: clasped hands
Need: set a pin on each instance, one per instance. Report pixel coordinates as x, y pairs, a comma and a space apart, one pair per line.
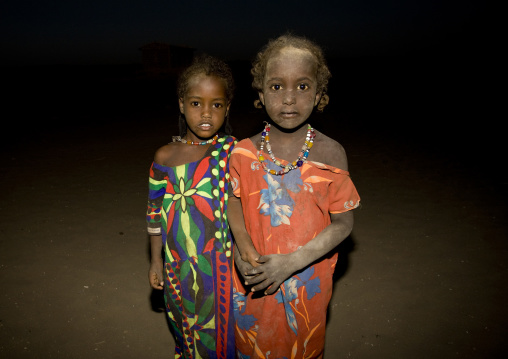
266, 272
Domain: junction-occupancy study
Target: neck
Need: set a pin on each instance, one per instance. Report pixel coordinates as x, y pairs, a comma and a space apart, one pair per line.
283, 135
199, 142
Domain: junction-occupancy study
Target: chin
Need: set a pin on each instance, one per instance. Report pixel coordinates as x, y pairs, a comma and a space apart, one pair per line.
289, 123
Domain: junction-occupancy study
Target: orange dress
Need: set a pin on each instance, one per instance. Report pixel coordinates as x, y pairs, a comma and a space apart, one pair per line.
283, 213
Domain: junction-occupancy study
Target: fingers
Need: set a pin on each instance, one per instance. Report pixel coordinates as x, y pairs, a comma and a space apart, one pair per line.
261, 286
268, 286
252, 272
273, 288
262, 282
243, 269
263, 259
257, 275
256, 279
246, 278
158, 286
154, 280
254, 263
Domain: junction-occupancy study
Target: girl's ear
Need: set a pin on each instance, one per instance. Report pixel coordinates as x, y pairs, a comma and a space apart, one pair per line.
317, 99
261, 97
180, 104
261, 102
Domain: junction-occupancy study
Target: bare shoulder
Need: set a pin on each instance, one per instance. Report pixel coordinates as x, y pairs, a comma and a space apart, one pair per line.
165, 154
256, 139
328, 151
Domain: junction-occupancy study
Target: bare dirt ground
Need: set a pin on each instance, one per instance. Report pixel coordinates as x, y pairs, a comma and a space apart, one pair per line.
423, 274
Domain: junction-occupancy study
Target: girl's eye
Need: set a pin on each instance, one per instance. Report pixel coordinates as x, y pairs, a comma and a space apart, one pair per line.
275, 87
303, 87
194, 103
217, 105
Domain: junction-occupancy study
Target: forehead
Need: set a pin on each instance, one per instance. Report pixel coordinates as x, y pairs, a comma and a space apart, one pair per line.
202, 82
292, 61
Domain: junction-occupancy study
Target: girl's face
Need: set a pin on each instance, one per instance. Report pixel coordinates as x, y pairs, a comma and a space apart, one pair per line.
289, 87
204, 106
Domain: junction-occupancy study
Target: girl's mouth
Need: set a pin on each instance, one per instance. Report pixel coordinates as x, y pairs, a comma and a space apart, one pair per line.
205, 126
289, 114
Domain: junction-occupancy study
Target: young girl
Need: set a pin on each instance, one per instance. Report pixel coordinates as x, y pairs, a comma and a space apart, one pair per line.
296, 196
187, 218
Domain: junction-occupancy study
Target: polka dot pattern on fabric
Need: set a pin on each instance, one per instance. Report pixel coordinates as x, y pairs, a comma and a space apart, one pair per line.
192, 303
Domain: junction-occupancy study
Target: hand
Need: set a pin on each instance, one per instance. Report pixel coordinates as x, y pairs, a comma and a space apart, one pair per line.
252, 257
155, 274
272, 271
243, 266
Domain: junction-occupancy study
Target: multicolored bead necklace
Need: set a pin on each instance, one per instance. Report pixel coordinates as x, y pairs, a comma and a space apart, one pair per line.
178, 138
302, 156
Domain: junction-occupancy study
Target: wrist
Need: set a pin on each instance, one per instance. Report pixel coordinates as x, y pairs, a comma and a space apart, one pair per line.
156, 260
295, 261
250, 255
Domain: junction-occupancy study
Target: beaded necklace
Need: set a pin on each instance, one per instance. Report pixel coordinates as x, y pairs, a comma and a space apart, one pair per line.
302, 156
178, 138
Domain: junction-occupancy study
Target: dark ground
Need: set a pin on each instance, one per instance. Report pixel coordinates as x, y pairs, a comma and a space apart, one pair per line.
423, 274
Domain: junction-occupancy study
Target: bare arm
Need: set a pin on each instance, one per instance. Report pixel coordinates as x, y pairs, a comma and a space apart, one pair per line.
242, 238
274, 269
155, 272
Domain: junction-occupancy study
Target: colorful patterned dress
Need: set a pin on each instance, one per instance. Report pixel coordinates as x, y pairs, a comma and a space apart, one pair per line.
188, 205
283, 213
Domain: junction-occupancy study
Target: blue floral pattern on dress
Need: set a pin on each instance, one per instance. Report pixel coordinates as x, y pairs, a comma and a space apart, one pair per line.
243, 321
286, 295
289, 293
311, 285
275, 200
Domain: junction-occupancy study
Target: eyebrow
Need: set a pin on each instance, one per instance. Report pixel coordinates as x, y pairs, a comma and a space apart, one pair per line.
214, 99
274, 79
305, 78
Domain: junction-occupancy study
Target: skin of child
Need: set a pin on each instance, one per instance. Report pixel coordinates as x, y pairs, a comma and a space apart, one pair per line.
205, 107
289, 96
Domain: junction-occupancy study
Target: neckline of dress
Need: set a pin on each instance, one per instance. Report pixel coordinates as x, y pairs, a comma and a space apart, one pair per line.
316, 164
207, 153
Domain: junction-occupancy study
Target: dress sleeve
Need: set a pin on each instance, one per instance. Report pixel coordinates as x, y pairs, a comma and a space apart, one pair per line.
234, 172
230, 180
342, 194
157, 183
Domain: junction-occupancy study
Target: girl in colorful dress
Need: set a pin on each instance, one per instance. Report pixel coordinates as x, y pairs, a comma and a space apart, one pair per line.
187, 215
292, 185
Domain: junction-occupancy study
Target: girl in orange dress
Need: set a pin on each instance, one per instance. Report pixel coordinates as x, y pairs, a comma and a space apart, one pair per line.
291, 207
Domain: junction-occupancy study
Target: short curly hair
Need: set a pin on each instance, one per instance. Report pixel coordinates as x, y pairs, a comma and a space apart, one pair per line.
274, 47
208, 65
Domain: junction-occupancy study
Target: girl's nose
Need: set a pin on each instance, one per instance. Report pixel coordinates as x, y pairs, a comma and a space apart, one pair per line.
289, 98
206, 113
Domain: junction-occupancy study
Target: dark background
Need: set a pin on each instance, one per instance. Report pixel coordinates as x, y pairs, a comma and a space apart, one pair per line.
408, 70
414, 100
98, 32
